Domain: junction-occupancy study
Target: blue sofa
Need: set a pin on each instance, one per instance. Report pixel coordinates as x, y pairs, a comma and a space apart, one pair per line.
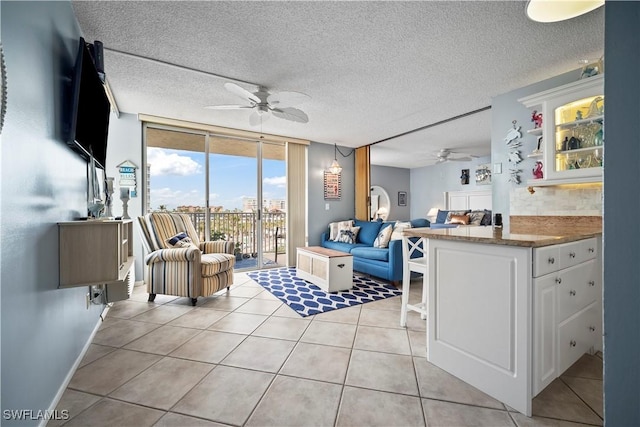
385, 263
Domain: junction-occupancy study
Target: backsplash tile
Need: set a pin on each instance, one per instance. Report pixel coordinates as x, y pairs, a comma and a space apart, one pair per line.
565, 200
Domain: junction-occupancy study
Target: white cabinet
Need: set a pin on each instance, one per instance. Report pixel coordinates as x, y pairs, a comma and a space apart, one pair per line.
572, 131
96, 253
567, 288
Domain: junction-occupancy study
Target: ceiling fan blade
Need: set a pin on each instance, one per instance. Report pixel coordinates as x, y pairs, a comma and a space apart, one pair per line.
241, 92
287, 99
226, 107
257, 118
292, 114
460, 159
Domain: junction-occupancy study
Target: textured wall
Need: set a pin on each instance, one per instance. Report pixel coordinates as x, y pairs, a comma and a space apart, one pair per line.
578, 200
44, 329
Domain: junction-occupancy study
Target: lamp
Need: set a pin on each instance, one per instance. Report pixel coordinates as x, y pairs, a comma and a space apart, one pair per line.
335, 167
432, 214
559, 10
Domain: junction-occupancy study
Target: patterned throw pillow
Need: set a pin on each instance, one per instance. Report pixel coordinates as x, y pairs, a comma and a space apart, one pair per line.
335, 227
348, 235
382, 241
486, 220
475, 217
180, 240
398, 228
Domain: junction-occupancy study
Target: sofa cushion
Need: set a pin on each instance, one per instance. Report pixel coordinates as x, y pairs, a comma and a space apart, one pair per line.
486, 220
458, 219
382, 240
475, 217
437, 226
378, 254
441, 217
340, 246
368, 231
420, 222
213, 264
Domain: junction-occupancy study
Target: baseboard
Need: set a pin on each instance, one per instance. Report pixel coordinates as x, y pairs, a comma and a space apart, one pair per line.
73, 369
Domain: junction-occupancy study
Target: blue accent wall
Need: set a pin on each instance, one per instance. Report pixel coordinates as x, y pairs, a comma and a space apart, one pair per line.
621, 196
319, 158
44, 329
394, 180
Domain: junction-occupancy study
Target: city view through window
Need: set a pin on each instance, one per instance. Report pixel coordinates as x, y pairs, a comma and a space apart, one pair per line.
176, 183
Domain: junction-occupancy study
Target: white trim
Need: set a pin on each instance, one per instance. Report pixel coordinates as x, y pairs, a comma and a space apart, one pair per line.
72, 371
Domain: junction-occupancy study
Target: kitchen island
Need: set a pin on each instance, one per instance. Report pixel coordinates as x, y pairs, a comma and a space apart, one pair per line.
508, 312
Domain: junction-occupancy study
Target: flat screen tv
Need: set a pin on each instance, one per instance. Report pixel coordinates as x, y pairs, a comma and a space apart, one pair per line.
90, 109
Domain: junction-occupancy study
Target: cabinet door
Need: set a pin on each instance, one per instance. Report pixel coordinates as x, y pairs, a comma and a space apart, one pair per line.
304, 262
544, 332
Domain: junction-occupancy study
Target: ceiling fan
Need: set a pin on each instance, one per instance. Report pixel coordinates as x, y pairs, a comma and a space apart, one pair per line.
263, 103
445, 154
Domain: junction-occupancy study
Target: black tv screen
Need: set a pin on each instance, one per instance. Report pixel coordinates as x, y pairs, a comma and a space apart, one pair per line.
89, 125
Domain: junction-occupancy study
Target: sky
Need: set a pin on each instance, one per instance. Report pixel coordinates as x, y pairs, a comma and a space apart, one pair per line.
178, 179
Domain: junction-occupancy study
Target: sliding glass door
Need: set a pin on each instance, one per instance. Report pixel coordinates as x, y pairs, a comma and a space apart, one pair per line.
234, 189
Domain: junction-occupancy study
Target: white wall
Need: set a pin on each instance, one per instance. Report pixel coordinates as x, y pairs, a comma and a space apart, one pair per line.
125, 143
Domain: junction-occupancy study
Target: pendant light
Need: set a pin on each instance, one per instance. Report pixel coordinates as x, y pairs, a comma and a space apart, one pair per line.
335, 167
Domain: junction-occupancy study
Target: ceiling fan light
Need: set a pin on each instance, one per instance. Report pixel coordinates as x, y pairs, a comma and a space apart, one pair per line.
335, 167
559, 10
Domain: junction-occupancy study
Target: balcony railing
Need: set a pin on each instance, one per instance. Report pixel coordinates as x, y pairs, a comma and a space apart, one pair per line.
241, 228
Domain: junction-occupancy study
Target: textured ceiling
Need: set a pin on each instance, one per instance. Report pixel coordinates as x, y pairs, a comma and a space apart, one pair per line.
373, 70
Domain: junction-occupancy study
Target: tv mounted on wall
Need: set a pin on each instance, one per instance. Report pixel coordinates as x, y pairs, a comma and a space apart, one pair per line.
90, 108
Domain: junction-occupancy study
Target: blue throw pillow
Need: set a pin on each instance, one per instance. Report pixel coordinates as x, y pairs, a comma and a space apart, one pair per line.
368, 231
486, 219
419, 223
442, 216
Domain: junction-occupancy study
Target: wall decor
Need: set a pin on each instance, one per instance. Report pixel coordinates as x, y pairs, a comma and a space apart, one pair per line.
402, 198
128, 179
483, 175
513, 145
332, 186
464, 177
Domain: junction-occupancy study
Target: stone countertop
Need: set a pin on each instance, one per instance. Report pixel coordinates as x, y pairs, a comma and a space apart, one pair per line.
489, 235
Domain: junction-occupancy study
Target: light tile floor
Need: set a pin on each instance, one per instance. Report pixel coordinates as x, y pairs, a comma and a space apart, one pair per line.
244, 358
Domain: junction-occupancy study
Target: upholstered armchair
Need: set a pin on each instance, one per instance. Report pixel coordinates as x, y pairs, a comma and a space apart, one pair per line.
178, 263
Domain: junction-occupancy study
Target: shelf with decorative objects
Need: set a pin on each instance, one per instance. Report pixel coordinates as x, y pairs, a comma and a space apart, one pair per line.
571, 138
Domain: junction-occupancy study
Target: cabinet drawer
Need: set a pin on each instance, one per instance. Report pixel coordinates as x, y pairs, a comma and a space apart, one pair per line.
578, 287
545, 260
576, 252
577, 336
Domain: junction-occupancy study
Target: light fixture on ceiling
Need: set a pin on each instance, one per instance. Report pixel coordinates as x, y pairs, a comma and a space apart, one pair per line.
335, 167
559, 10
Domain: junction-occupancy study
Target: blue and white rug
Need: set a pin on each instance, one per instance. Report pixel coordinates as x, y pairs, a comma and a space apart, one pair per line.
308, 299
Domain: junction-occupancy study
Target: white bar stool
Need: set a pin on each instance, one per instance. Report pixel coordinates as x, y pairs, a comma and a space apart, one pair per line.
418, 265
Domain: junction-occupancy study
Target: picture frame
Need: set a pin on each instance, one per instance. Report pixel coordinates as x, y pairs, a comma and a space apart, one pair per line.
402, 198
332, 186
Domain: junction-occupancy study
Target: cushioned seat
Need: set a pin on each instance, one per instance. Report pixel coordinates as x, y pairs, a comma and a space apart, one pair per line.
380, 254
178, 263
341, 246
